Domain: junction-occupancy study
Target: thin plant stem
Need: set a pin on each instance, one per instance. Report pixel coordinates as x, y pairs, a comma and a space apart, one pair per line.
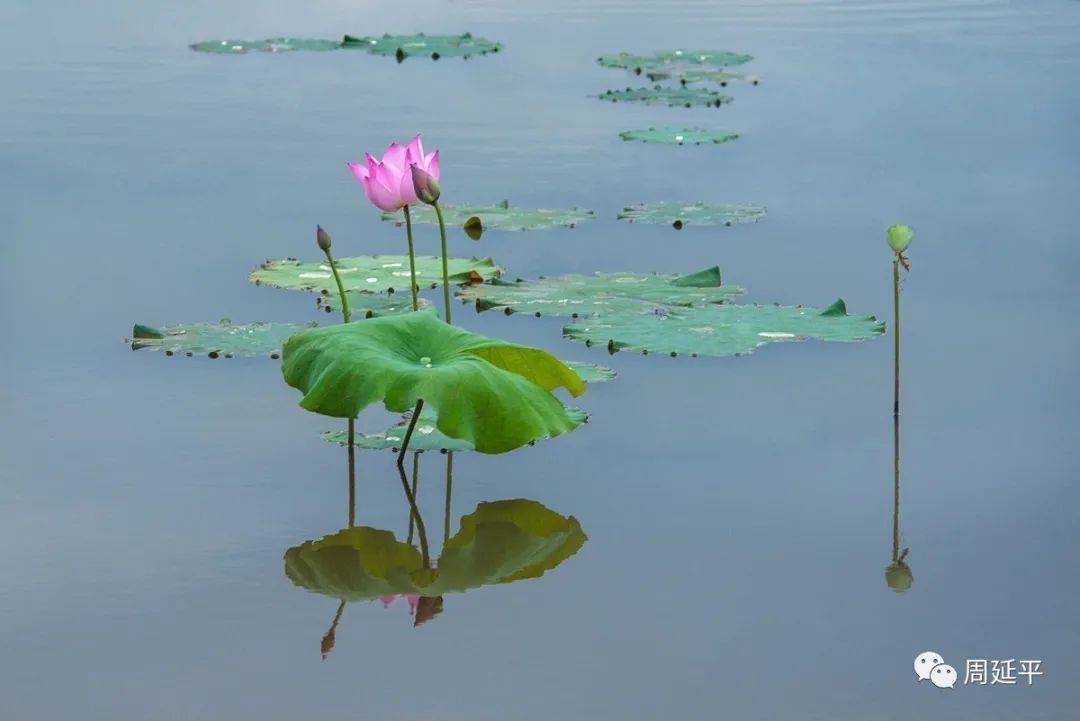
340, 287
896, 490
421, 531
351, 436
449, 489
415, 490
328, 640
412, 260
445, 263
896, 335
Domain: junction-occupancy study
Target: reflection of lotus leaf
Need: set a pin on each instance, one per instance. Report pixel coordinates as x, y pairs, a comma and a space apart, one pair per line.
270, 45
433, 46
674, 97
721, 329
899, 577
679, 136
580, 295
673, 58
493, 394
215, 339
499, 216
373, 273
500, 542
680, 214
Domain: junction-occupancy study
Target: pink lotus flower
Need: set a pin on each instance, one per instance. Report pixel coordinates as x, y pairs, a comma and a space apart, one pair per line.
388, 182
412, 598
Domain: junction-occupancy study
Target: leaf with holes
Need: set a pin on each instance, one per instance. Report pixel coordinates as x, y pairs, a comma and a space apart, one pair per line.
674, 97
270, 45
721, 330
499, 216
421, 45
493, 394
373, 273
679, 136
679, 214
500, 542
215, 339
581, 295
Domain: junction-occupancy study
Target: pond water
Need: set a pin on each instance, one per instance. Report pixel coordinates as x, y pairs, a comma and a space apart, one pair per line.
739, 510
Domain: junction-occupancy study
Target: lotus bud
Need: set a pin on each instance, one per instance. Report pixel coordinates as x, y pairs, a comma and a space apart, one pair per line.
323, 239
899, 237
426, 186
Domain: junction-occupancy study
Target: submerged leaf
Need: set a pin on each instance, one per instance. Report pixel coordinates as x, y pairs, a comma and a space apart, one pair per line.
579, 295
674, 97
500, 542
373, 273
433, 46
270, 45
493, 394
498, 217
679, 136
721, 330
215, 339
680, 214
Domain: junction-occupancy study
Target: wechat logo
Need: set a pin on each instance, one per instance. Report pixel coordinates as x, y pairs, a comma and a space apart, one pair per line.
930, 666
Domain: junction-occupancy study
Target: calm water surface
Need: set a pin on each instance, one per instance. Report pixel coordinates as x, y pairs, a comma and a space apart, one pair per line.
739, 510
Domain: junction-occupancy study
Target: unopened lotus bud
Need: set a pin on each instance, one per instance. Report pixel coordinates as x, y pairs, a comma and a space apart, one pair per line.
426, 186
899, 237
322, 238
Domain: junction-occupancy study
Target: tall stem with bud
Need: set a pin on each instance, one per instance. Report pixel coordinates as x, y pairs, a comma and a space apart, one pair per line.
428, 191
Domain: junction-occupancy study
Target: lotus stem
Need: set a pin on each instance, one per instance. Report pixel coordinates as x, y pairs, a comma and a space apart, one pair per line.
328, 640
352, 422
445, 261
896, 490
415, 490
421, 531
340, 287
449, 487
412, 259
896, 334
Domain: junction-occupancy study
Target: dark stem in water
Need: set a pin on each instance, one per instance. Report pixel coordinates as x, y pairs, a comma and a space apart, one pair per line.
412, 259
415, 490
421, 531
445, 263
328, 640
896, 335
351, 436
896, 490
449, 489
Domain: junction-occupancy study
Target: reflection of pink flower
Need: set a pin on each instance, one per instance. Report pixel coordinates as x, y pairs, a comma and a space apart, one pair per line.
412, 598
388, 182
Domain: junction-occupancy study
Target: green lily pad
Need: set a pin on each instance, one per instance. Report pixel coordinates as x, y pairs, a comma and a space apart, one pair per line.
500, 542
269, 45
373, 273
680, 214
433, 46
679, 136
667, 58
688, 76
493, 394
721, 330
674, 97
499, 216
369, 305
592, 373
582, 295
215, 339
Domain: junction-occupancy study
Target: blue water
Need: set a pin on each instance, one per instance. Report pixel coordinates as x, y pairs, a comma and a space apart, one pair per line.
739, 510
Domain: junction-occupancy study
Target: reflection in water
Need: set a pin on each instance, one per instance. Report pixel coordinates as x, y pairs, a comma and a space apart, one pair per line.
898, 574
499, 542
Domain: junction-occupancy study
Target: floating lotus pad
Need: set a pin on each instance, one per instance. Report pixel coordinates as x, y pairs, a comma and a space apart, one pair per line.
592, 373
433, 46
680, 214
499, 216
500, 542
579, 295
721, 330
369, 305
679, 136
664, 58
493, 394
674, 97
374, 273
215, 339
270, 45
698, 75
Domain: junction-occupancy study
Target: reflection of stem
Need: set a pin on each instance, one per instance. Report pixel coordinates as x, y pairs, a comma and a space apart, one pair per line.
445, 262
409, 432
412, 259
896, 490
351, 436
449, 488
421, 531
328, 640
896, 335
415, 488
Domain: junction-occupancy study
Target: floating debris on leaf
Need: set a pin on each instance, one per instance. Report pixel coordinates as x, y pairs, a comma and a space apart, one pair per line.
679, 136
421, 45
373, 273
499, 216
721, 330
679, 214
673, 96
270, 45
216, 340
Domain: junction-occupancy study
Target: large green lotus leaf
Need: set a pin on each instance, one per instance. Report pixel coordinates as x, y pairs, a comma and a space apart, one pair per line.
673, 96
499, 216
493, 394
679, 136
372, 273
669, 58
721, 330
369, 305
679, 214
581, 295
426, 435
500, 542
215, 339
269, 45
433, 46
